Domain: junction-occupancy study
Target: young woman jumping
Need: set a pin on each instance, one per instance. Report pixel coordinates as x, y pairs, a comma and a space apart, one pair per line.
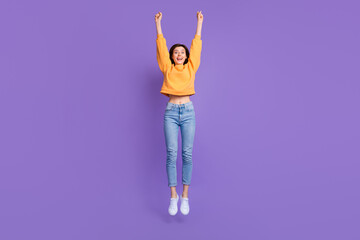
179, 67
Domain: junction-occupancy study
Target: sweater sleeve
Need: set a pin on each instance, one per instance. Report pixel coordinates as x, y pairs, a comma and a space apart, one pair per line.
195, 52
162, 53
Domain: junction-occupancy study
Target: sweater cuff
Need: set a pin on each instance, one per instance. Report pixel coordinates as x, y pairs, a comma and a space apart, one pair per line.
197, 37
160, 35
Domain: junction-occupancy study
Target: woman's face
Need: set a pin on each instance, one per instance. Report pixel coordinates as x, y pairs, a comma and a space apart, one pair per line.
179, 55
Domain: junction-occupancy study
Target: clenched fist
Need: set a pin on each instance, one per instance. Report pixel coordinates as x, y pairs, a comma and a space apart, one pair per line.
158, 17
200, 17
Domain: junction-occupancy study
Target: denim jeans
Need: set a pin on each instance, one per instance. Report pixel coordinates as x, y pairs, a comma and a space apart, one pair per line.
176, 115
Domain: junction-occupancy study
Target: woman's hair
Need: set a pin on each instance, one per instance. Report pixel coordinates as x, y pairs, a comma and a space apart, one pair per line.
179, 45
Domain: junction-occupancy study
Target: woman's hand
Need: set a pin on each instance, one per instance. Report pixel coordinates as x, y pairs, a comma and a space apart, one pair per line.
158, 17
199, 16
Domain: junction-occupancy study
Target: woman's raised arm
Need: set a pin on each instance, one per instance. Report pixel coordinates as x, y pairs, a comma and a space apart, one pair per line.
162, 52
200, 19
196, 45
158, 18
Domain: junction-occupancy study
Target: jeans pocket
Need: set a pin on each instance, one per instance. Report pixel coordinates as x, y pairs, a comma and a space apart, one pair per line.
190, 108
168, 108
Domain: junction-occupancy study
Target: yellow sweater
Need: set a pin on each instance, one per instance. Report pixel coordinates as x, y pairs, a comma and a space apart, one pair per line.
178, 79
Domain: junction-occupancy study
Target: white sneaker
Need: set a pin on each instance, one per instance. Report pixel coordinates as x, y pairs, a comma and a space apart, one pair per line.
173, 208
184, 207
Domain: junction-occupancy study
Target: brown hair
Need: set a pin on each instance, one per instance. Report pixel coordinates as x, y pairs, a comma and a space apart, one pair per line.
179, 45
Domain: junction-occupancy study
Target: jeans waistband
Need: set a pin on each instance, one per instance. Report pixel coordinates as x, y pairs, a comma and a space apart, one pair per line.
182, 105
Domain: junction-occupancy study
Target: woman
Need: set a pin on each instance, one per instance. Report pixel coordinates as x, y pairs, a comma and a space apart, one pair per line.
179, 67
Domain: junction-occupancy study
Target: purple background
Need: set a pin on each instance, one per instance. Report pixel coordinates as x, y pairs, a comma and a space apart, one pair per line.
276, 151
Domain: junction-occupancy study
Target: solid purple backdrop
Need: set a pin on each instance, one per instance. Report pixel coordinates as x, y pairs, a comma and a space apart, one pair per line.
276, 151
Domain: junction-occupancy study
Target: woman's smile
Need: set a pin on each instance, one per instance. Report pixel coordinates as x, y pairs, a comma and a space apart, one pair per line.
179, 55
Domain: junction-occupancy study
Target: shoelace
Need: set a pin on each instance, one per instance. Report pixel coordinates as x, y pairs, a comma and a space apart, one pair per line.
173, 203
185, 202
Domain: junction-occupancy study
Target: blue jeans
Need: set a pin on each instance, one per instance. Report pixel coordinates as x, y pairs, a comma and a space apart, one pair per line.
176, 115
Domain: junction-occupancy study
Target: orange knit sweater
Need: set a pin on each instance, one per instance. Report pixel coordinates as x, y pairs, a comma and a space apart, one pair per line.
178, 79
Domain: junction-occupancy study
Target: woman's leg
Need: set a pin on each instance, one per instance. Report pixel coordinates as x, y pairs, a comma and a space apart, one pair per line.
185, 193
187, 126
171, 129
